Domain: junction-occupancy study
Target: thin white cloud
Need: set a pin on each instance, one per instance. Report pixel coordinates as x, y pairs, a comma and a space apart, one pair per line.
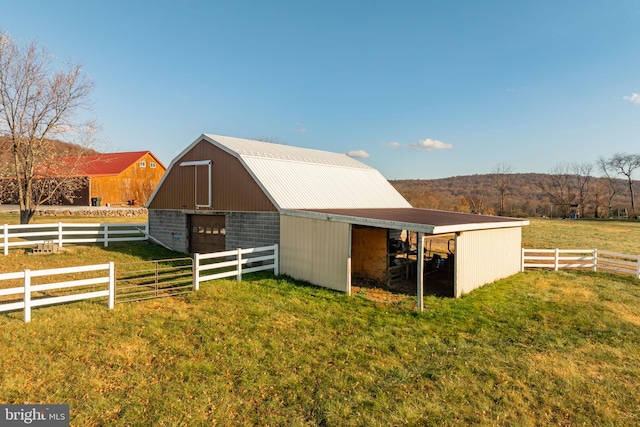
358, 154
430, 145
634, 98
300, 128
391, 144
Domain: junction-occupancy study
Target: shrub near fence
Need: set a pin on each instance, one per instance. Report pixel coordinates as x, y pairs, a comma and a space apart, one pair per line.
30, 235
592, 259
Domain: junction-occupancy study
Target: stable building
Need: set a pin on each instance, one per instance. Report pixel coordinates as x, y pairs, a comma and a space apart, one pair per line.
334, 217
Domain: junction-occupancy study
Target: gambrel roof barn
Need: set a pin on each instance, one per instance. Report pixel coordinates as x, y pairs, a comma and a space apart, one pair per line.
332, 216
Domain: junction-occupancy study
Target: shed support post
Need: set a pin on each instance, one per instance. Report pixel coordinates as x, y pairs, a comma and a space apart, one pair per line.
420, 271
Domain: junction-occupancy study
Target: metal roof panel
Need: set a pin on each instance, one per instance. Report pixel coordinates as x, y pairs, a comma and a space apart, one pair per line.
302, 178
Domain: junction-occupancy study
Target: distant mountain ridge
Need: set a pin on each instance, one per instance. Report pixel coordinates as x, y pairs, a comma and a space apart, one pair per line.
479, 194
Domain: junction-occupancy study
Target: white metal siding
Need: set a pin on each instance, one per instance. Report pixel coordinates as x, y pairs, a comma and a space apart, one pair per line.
484, 256
316, 251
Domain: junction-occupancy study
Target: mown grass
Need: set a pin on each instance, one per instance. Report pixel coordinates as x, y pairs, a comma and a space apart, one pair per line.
75, 255
610, 235
539, 348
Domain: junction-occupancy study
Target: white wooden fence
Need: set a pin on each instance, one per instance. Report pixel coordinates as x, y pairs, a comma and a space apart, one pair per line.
232, 263
27, 290
205, 267
592, 259
30, 235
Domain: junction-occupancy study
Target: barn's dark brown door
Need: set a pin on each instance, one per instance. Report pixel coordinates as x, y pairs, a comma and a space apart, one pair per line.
207, 233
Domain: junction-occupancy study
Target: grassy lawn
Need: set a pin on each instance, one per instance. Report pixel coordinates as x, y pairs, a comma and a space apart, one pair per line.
539, 348
608, 235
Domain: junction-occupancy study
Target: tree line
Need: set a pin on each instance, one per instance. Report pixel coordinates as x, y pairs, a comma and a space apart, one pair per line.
567, 190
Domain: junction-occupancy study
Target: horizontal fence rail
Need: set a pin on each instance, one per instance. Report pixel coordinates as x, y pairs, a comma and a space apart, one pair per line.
59, 234
132, 281
98, 281
234, 263
592, 259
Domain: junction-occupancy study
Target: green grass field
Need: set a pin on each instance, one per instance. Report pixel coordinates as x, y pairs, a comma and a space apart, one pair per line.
539, 348
609, 235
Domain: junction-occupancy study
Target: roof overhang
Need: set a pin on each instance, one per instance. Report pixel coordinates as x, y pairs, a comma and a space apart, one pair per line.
426, 221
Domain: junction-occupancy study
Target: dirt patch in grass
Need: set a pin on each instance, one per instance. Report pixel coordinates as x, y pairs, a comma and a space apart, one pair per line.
378, 294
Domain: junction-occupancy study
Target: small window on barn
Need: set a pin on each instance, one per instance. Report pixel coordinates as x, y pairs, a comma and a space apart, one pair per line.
223, 231
152, 165
200, 230
143, 164
216, 231
208, 230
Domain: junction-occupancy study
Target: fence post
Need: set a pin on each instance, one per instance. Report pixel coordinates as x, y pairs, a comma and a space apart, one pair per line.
522, 261
60, 234
557, 260
595, 260
239, 256
276, 261
27, 295
112, 285
196, 270
106, 234
6, 239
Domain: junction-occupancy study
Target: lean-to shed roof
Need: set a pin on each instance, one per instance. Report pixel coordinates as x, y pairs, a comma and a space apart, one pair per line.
428, 221
303, 178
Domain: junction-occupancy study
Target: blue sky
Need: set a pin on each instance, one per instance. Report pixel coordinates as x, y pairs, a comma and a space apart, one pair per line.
425, 89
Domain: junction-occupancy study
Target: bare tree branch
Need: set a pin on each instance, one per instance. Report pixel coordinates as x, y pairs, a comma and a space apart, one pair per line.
502, 175
625, 165
38, 104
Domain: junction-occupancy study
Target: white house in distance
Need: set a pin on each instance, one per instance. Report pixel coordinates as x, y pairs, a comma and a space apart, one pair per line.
332, 216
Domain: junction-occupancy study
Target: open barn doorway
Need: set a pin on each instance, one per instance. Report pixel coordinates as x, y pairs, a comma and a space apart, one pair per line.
386, 259
439, 265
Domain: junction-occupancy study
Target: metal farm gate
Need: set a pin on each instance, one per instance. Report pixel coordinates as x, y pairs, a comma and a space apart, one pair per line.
142, 280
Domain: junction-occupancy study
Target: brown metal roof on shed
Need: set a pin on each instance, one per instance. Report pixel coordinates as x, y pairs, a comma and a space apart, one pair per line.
421, 220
